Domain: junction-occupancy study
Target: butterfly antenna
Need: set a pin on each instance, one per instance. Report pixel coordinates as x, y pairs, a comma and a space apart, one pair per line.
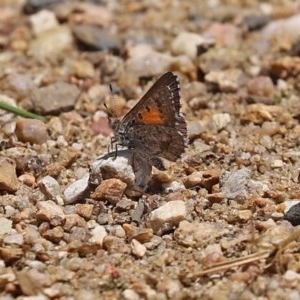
114, 101
111, 116
109, 110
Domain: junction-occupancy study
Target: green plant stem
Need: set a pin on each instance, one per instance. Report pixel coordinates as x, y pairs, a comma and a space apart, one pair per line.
20, 112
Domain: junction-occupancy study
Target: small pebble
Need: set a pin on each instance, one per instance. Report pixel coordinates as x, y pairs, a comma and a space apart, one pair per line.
266, 141
291, 275
144, 61
9, 212
32, 131
68, 156
271, 128
42, 50
95, 38
102, 218
227, 81
142, 235
188, 43
125, 204
245, 214
293, 215
154, 243
85, 294
98, 234
137, 248
215, 198
195, 128
5, 226
78, 234
82, 68
288, 26
256, 21
110, 190
277, 163
74, 264
118, 231
197, 234
130, 294
221, 120
50, 212
114, 244
167, 216
20, 85
84, 210
76, 190
73, 220
14, 239
27, 179
10, 255
261, 86
54, 235
193, 179
47, 100
213, 60
212, 254
8, 177
260, 113
173, 186
234, 184
32, 280
43, 21
225, 35
49, 187
111, 167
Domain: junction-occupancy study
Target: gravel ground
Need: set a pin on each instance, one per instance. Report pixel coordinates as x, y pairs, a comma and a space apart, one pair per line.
221, 222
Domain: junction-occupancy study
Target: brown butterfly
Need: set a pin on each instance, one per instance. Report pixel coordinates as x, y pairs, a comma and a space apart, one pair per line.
154, 128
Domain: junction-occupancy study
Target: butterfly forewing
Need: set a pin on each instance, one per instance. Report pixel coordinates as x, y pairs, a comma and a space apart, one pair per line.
159, 105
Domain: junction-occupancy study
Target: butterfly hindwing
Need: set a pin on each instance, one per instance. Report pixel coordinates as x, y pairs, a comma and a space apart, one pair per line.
156, 140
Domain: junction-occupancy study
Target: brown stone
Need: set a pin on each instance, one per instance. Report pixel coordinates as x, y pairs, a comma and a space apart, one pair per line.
84, 210
54, 235
8, 178
32, 131
110, 190
10, 255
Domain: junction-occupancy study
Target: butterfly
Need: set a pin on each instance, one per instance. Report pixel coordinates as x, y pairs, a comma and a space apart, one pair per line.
154, 128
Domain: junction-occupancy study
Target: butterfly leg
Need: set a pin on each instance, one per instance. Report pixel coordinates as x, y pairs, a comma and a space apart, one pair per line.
116, 152
112, 142
111, 146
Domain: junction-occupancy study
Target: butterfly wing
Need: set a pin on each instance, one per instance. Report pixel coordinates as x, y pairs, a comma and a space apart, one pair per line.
159, 106
157, 141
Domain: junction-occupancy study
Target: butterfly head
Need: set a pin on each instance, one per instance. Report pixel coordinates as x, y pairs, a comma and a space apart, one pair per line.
116, 126
114, 123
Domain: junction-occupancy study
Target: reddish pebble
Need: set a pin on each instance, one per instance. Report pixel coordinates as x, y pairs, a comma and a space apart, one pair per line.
110, 190
261, 86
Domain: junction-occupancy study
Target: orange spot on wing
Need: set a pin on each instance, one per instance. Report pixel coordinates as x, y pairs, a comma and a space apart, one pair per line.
153, 117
